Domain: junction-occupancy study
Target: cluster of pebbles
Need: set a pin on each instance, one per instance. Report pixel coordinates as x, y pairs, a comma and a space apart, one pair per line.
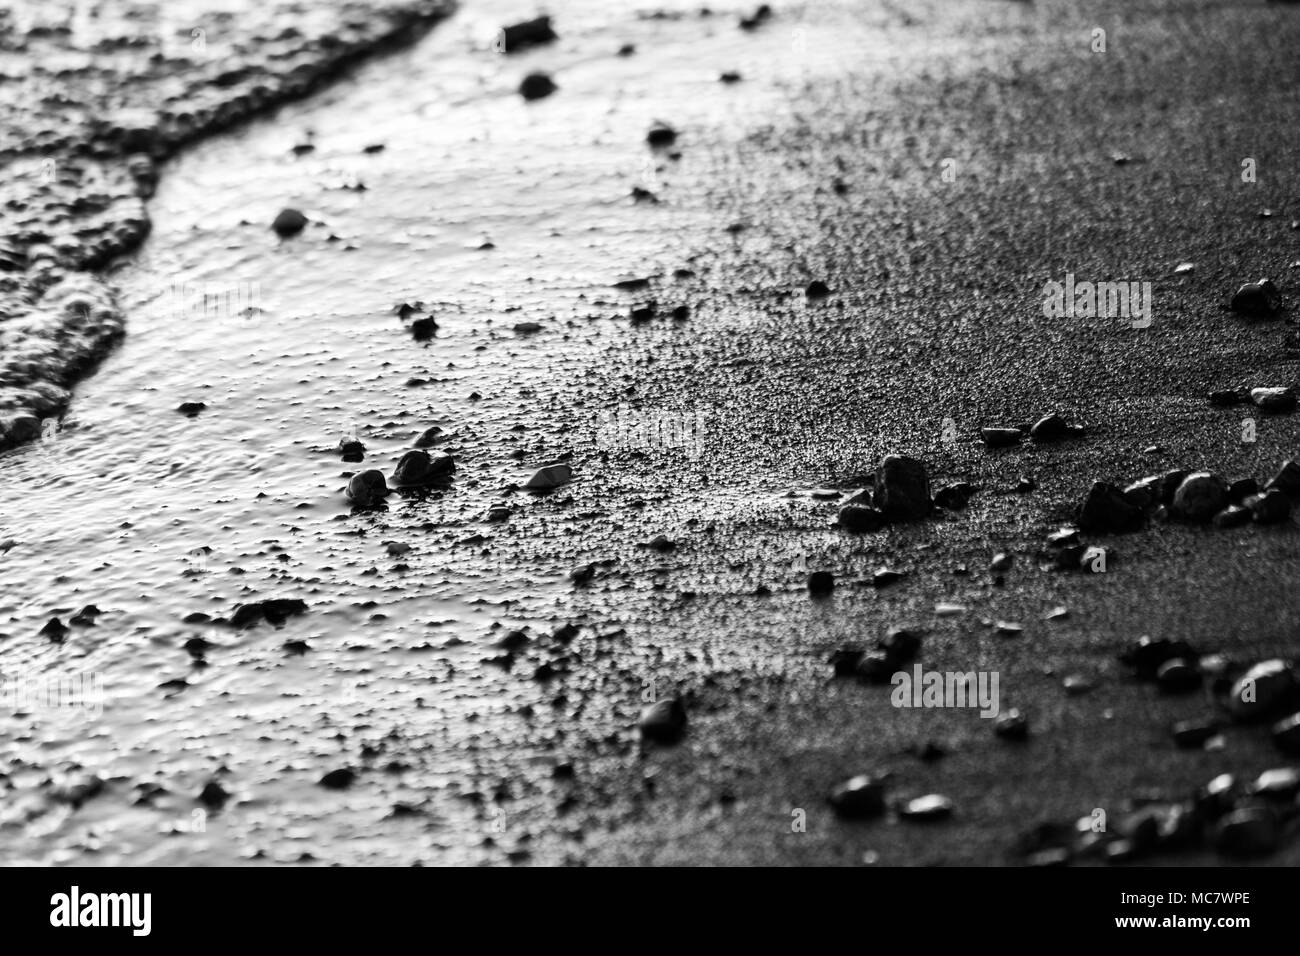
900, 492
1193, 497
1236, 818
99, 103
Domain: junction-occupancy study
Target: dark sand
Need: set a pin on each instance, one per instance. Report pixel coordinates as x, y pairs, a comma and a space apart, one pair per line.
832, 170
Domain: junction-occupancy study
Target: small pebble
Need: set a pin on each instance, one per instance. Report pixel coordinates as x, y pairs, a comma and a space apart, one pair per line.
661, 134
926, 809
1272, 507
339, 779
1287, 480
860, 519
536, 86
821, 583
1049, 428
1256, 299
663, 722
1011, 725
1001, 437
288, 222
1178, 676
418, 467
551, 476
859, 798
1077, 684
1193, 734
1273, 399
1286, 734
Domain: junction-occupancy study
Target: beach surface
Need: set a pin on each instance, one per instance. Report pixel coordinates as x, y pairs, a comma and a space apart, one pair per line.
639, 312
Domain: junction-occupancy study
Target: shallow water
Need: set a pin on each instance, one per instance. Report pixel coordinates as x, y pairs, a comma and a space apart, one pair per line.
152, 516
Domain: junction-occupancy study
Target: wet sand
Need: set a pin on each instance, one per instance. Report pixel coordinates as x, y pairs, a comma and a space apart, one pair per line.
825, 161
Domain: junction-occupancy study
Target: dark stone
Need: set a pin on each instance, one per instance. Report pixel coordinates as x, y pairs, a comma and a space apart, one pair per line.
1143, 494
1200, 497
288, 222
86, 616
423, 329
1225, 398
339, 779
513, 641
859, 798
536, 86
1147, 655
901, 645
196, 646
1287, 480
55, 630
213, 795
887, 576
1011, 725
902, 489
861, 518
1271, 507
528, 33
757, 19
1257, 299
844, 661
1192, 734
875, 667
1169, 483
1232, 516
1267, 690
954, 497
1273, 400
1070, 558
817, 289
821, 583
418, 467
1063, 538
367, 487
663, 722
1178, 676
1049, 428
1243, 488
351, 450
191, 409
1249, 832
429, 437
1001, 437
661, 134
1106, 509
1286, 734
1217, 797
